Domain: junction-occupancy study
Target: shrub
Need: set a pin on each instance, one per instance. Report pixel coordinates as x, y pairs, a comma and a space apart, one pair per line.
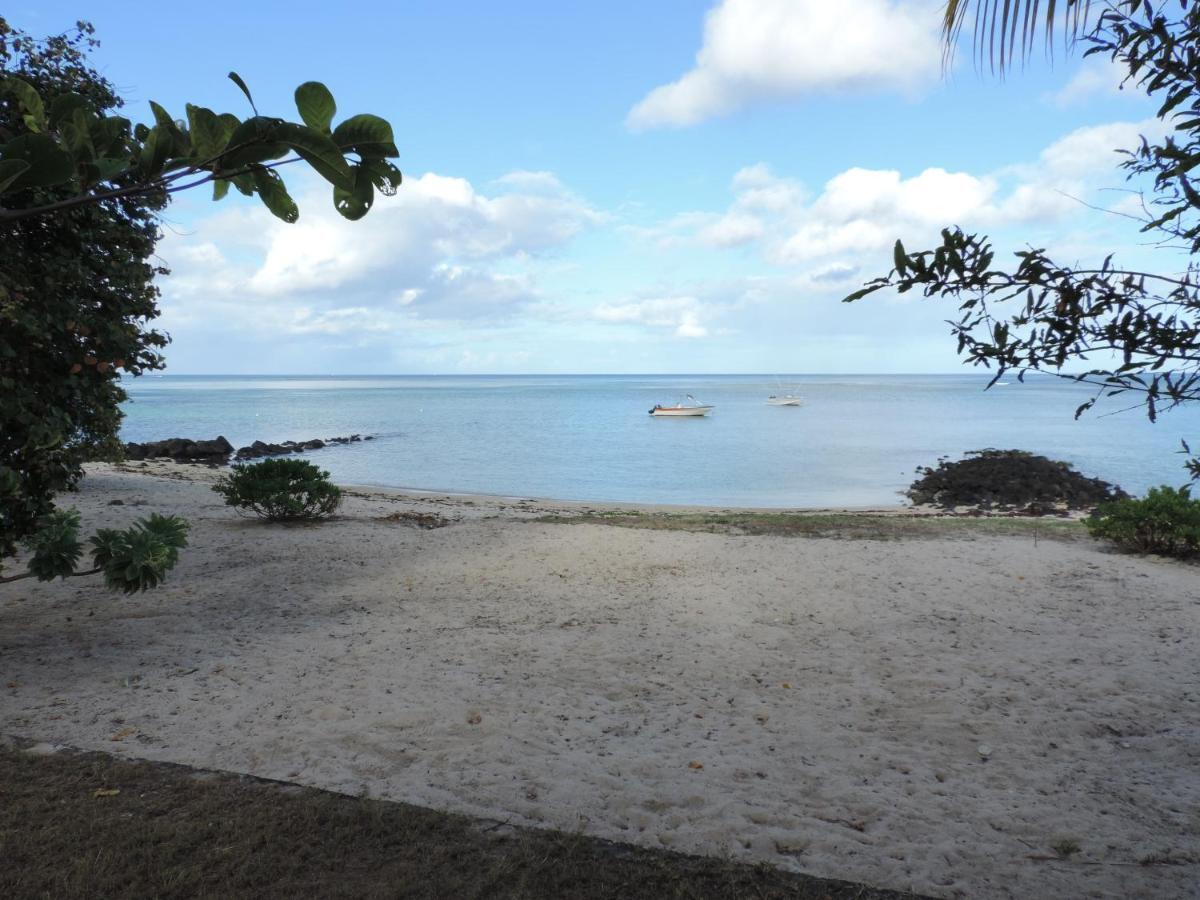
280, 489
1166, 521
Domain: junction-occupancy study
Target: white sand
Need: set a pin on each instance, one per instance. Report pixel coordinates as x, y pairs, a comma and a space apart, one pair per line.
834, 692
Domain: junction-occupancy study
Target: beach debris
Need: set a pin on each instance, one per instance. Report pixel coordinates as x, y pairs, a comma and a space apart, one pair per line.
984, 751
428, 521
1013, 481
123, 733
474, 718
105, 792
695, 765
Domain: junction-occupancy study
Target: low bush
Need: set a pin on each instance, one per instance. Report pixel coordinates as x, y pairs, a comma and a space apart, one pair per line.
1166, 521
279, 489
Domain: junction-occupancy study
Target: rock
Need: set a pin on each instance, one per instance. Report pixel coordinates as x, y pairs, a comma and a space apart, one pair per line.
1013, 480
314, 444
185, 450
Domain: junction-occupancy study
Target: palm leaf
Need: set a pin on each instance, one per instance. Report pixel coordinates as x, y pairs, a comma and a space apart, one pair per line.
997, 24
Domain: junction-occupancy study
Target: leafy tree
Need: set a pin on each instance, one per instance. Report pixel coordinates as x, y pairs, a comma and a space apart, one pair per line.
80, 190
1136, 332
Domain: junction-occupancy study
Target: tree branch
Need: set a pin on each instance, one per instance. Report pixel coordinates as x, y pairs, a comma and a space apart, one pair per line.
10, 579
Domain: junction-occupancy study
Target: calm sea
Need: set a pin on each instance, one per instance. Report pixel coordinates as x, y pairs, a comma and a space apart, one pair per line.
856, 440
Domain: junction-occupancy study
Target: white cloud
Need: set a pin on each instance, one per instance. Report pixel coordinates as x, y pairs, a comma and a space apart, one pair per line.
863, 210
682, 316
756, 49
441, 254
1098, 77
434, 217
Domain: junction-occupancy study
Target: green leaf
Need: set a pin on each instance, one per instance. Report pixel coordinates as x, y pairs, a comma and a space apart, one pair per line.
154, 152
10, 171
244, 183
316, 105
237, 79
208, 132
31, 103
48, 164
220, 188
319, 151
274, 195
356, 203
253, 141
63, 107
367, 135
163, 119
383, 175
110, 167
77, 136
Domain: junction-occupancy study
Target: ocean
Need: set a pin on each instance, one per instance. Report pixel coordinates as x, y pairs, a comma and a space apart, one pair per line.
856, 441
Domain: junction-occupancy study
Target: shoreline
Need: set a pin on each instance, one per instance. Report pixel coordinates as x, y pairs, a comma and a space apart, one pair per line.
203, 474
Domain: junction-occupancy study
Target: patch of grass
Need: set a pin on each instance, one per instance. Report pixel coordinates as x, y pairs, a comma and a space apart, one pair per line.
1065, 847
851, 526
76, 825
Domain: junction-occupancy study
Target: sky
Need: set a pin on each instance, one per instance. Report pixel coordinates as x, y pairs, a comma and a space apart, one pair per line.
620, 187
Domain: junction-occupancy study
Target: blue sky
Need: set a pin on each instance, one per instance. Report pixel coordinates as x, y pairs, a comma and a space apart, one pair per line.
614, 187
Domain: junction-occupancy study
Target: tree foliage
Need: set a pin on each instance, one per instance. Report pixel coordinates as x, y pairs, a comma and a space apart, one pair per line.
76, 301
63, 138
80, 190
1128, 331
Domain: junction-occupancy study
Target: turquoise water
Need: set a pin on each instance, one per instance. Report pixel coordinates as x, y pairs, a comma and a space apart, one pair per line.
856, 441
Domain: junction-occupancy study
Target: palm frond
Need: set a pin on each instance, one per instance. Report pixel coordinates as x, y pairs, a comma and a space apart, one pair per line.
998, 24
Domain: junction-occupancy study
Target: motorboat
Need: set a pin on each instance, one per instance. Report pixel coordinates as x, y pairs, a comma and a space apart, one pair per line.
691, 408
784, 400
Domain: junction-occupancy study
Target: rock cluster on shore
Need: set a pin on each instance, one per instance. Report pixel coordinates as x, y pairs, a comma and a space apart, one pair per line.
1013, 480
182, 450
218, 450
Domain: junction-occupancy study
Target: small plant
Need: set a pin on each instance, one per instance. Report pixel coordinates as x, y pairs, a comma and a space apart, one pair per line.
279, 489
1166, 521
1065, 847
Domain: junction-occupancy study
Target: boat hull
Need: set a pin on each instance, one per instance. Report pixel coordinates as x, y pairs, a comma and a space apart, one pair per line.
783, 401
676, 411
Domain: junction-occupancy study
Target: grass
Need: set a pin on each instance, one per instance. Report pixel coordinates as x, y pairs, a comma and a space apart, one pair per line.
853, 526
76, 825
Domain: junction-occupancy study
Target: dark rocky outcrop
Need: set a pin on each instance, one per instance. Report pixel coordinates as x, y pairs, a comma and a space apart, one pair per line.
260, 449
187, 450
219, 450
1010, 480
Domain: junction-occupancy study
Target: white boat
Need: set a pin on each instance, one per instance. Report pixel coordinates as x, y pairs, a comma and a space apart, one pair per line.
784, 400
692, 408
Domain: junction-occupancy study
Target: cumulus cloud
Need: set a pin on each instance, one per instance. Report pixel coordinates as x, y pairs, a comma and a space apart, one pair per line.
440, 250
757, 49
434, 218
863, 210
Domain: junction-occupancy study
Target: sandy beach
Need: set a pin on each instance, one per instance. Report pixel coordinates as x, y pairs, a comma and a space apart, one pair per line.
935, 714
